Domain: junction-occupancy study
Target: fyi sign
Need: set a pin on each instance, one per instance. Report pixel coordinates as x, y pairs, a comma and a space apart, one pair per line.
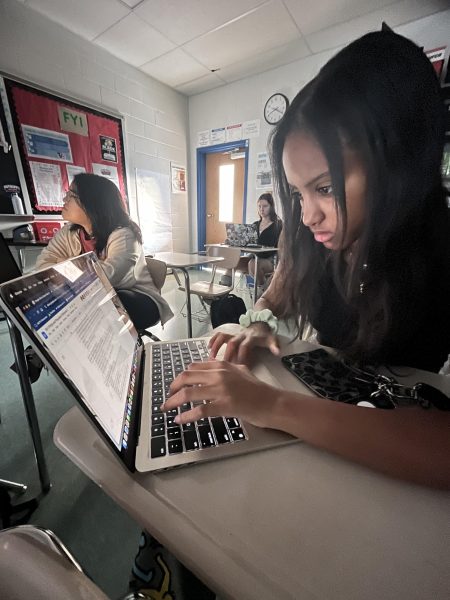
73, 121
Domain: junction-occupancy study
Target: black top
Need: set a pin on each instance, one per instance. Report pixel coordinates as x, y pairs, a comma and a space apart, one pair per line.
424, 341
269, 237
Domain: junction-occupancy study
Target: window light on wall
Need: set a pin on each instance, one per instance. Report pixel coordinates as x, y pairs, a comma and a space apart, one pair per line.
226, 193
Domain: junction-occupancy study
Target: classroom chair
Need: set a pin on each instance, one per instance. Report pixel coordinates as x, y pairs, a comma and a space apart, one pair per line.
207, 291
35, 564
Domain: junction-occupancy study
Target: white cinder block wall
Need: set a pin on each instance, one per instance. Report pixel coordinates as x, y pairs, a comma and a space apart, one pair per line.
156, 117
244, 100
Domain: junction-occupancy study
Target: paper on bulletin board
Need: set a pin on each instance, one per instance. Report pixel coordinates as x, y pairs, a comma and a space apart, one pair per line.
73, 170
108, 146
154, 209
234, 132
263, 171
203, 138
107, 171
250, 129
178, 177
48, 185
217, 136
44, 143
73, 121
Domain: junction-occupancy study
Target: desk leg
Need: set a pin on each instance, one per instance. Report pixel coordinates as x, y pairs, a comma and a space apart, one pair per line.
187, 287
30, 408
255, 288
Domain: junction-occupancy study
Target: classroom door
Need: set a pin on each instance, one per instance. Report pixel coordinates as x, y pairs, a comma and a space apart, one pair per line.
224, 194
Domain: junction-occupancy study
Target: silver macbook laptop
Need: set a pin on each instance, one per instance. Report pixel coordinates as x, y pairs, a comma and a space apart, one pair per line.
241, 234
79, 328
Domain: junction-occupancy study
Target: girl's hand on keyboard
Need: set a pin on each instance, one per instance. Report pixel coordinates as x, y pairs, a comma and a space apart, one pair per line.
234, 389
240, 347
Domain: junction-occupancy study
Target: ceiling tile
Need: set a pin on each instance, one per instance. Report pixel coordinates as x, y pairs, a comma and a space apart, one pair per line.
270, 26
203, 84
395, 14
175, 68
183, 20
311, 17
84, 17
265, 61
134, 41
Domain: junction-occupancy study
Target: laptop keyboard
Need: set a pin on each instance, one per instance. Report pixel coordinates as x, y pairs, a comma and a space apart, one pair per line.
169, 360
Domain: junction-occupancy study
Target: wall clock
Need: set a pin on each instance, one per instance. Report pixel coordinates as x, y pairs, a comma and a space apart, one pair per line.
275, 108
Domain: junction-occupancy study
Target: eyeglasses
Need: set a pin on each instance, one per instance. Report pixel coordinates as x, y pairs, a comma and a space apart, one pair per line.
69, 194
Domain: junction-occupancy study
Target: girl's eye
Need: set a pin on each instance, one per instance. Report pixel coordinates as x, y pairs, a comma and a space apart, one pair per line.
325, 190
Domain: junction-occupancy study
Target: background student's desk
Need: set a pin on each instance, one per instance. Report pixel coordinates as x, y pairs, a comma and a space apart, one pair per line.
255, 252
289, 523
183, 262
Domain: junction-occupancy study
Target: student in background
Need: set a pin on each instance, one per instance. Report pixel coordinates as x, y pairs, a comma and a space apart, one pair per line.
269, 228
365, 260
98, 222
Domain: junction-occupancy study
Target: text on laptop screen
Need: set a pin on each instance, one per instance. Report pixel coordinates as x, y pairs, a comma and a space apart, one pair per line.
74, 311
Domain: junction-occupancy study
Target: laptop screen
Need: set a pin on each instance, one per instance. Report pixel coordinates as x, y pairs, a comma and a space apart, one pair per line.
73, 310
241, 234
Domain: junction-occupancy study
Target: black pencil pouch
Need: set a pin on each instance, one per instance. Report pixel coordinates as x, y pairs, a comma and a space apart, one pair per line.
329, 377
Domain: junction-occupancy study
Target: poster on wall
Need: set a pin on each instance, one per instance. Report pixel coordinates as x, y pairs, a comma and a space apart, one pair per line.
73, 170
234, 132
107, 171
203, 138
263, 171
250, 129
44, 143
178, 178
217, 136
47, 184
154, 210
108, 147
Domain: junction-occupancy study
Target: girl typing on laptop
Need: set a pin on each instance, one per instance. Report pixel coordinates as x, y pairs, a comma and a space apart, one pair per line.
365, 260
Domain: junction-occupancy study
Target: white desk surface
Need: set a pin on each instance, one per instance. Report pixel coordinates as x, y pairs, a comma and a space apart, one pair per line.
181, 260
248, 249
290, 523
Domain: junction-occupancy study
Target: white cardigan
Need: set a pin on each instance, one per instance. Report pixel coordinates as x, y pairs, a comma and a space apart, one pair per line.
124, 262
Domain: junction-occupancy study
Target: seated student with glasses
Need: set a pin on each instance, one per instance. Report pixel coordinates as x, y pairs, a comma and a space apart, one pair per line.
98, 222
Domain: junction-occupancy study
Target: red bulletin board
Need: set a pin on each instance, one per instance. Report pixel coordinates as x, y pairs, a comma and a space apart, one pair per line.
90, 140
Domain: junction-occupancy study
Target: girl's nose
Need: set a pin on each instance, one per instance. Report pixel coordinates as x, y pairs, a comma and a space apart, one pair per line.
311, 213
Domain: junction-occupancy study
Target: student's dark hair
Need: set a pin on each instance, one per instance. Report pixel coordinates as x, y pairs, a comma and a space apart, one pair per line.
379, 97
103, 204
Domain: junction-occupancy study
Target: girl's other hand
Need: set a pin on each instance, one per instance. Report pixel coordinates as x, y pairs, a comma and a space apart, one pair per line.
240, 347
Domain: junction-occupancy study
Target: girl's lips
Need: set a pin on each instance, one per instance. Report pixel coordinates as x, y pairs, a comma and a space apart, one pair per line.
323, 236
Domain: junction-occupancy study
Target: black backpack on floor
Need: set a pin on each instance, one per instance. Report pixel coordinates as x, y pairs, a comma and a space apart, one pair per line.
227, 309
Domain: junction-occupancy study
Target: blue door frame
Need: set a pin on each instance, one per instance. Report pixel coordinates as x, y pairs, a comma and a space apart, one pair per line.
201, 184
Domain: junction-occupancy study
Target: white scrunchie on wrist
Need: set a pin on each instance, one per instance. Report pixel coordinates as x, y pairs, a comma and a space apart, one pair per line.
259, 316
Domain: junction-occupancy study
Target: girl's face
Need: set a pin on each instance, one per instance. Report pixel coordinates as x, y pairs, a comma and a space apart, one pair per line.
73, 211
308, 175
263, 208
